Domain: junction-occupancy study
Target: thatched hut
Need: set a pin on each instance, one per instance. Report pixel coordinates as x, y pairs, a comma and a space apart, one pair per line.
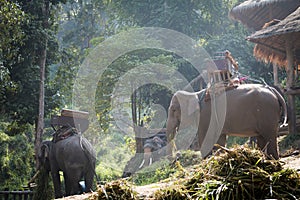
280, 44
255, 13
271, 41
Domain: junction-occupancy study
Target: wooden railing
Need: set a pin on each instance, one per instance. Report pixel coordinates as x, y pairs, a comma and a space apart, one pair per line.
16, 195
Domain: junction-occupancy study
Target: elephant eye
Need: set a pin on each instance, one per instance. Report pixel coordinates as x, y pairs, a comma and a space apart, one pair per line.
175, 107
172, 108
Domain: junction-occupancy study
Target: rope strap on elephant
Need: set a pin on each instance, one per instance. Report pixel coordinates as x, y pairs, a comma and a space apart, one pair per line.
215, 90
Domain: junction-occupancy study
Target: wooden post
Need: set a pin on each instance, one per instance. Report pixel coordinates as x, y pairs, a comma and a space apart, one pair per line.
137, 128
275, 74
289, 84
139, 132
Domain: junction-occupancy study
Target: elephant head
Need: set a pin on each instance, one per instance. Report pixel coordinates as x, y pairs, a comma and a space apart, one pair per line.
44, 155
45, 166
184, 111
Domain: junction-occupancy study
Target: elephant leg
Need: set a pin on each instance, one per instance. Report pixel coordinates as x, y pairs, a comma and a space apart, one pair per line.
269, 146
89, 178
74, 176
273, 148
57, 184
67, 184
222, 140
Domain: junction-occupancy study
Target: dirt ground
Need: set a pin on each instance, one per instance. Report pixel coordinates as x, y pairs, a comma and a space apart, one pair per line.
292, 162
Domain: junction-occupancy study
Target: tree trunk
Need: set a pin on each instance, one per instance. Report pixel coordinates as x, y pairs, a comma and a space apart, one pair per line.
40, 123
42, 53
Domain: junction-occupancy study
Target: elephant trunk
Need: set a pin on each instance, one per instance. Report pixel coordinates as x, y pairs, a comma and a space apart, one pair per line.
44, 188
171, 132
34, 177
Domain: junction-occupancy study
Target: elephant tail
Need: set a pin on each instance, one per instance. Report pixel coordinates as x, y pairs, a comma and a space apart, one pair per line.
283, 105
89, 152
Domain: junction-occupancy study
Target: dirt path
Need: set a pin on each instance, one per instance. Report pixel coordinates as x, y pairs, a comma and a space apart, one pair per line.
292, 162
146, 192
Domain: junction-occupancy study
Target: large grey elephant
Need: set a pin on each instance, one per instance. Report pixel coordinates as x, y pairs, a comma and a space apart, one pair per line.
247, 110
75, 157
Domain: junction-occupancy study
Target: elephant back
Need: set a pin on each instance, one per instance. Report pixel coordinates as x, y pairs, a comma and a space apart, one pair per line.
77, 141
74, 151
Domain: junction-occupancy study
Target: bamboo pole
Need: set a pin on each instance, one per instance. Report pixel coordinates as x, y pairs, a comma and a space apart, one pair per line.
289, 84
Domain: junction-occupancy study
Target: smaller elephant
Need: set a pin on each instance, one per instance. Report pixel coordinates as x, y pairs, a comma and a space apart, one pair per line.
154, 149
75, 157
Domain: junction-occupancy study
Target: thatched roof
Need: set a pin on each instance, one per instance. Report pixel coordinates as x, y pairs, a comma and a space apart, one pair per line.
271, 41
255, 13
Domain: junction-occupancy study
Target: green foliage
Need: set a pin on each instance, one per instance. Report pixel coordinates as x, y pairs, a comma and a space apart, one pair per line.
289, 141
154, 173
164, 168
234, 140
20, 57
113, 154
80, 29
16, 156
12, 18
204, 20
192, 17
145, 95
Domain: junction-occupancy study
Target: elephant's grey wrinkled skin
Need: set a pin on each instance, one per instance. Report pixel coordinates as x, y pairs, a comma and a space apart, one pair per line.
248, 110
75, 157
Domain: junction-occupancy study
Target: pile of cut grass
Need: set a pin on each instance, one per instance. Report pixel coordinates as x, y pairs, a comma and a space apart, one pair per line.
119, 189
236, 173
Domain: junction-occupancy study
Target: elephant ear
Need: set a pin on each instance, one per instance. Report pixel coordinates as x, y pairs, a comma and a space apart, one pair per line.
193, 105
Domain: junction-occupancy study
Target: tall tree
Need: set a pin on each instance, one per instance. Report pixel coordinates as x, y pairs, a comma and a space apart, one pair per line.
28, 69
42, 54
44, 16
